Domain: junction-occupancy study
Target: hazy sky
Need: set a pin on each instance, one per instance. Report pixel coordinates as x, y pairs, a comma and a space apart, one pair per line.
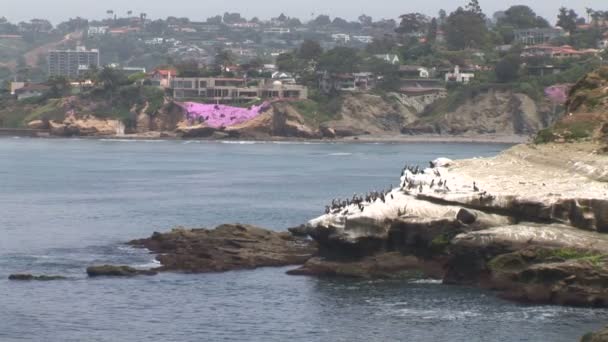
303, 9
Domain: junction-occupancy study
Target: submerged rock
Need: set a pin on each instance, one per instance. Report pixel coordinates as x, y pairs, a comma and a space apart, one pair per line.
116, 271
29, 277
227, 247
384, 265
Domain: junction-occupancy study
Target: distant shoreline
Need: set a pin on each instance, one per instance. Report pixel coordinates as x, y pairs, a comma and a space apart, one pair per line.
364, 139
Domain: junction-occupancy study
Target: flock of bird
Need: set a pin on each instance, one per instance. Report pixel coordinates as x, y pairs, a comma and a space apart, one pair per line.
338, 205
408, 175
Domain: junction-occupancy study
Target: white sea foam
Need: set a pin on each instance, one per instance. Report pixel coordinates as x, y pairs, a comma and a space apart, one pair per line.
426, 281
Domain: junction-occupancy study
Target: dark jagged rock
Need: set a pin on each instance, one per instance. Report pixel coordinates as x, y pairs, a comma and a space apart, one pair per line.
227, 247
29, 277
301, 230
599, 336
557, 276
384, 265
116, 271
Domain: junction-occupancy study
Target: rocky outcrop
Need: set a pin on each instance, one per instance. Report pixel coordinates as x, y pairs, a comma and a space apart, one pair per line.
528, 223
227, 247
117, 271
383, 265
86, 125
599, 336
31, 277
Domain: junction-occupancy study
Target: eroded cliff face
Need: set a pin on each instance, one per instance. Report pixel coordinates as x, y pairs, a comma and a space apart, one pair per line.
491, 112
529, 223
372, 114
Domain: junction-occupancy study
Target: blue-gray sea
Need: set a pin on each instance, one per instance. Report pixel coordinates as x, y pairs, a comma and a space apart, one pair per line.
67, 204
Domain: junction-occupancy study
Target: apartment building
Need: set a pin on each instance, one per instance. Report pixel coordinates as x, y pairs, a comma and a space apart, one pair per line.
71, 63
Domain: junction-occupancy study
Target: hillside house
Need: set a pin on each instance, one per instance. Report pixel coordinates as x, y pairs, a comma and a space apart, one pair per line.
459, 77
389, 58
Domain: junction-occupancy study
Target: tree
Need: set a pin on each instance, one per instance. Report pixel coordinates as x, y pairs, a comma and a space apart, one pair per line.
507, 69
288, 62
431, 35
442, 16
381, 45
365, 20
224, 58
566, 19
59, 86
521, 17
293, 22
158, 27
412, 23
340, 23
233, 18
473, 7
111, 79
465, 29
215, 20
340, 60
322, 20
310, 50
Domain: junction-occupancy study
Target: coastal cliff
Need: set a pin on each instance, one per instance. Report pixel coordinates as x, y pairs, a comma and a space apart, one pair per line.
494, 112
529, 223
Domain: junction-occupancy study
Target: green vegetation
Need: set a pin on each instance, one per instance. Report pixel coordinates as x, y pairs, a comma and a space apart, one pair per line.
319, 108
515, 261
440, 243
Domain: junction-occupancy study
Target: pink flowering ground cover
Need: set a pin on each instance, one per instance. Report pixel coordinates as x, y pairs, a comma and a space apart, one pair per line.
217, 115
558, 93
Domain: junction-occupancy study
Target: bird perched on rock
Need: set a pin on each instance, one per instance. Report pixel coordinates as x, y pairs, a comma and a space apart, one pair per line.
475, 188
432, 184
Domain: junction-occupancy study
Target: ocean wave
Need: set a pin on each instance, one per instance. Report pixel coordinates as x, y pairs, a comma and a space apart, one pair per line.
426, 281
340, 154
240, 142
135, 140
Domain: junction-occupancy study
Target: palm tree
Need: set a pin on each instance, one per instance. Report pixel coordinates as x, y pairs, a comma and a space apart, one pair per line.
129, 13
589, 13
110, 12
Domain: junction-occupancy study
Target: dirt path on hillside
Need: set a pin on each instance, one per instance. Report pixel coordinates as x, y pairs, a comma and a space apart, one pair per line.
31, 57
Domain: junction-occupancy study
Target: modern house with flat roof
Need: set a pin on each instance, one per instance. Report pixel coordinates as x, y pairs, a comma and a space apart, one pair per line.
534, 36
72, 63
217, 89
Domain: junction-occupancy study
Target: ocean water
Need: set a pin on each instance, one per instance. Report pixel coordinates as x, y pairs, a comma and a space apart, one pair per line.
67, 204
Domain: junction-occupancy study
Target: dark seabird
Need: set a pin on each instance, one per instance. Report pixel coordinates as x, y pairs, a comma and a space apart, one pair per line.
475, 188
432, 183
420, 188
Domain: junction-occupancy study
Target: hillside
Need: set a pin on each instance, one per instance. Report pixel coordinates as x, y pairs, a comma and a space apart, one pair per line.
587, 112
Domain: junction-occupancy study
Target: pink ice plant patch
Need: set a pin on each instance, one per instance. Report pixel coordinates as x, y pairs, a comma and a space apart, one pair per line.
217, 115
558, 93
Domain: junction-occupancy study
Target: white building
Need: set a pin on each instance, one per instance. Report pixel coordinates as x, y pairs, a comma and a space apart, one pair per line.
389, 58
94, 31
459, 77
277, 30
341, 38
364, 39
